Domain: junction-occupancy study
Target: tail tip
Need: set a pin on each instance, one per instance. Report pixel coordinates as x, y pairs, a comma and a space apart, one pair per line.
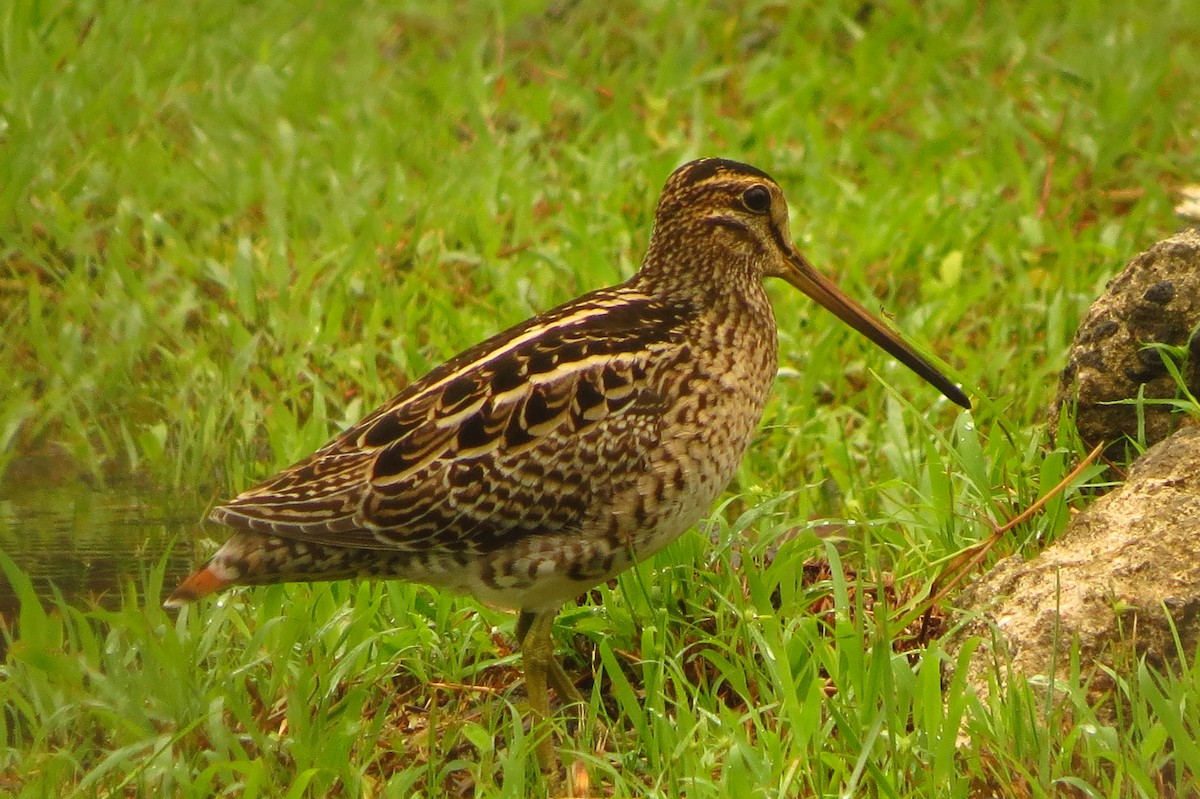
199, 584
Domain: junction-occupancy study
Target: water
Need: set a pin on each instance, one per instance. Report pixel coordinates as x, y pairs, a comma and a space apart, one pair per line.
88, 545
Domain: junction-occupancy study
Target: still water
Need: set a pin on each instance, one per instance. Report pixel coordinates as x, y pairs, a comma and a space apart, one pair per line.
88, 545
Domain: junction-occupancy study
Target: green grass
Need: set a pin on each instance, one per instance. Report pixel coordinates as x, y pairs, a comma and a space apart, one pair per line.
228, 230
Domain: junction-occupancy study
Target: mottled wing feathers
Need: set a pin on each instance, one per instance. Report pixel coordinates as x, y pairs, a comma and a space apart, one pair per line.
511, 437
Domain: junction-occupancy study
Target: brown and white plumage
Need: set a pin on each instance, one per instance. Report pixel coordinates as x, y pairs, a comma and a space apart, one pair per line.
555, 454
525, 470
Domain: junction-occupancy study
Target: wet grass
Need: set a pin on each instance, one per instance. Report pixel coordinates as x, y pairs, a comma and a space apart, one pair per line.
229, 231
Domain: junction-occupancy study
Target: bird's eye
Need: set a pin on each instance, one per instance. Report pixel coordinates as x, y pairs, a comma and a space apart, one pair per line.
757, 199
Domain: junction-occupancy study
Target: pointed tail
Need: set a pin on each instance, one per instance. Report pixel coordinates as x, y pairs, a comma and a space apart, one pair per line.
201, 583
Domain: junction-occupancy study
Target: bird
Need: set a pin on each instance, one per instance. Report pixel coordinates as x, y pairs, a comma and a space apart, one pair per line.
556, 454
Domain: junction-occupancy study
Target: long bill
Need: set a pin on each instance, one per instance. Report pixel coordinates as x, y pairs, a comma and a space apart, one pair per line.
803, 276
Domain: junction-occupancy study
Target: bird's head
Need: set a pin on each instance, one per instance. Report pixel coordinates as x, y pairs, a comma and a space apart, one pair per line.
721, 222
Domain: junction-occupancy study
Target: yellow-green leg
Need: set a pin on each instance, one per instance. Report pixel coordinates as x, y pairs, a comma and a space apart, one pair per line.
543, 671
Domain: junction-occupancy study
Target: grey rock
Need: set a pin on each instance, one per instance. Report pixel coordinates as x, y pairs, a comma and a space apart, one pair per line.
1122, 573
1155, 299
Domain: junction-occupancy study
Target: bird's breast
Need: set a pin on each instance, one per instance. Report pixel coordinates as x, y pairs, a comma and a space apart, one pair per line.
716, 399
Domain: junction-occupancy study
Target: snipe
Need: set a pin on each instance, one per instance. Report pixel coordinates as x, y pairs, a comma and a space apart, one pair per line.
554, 455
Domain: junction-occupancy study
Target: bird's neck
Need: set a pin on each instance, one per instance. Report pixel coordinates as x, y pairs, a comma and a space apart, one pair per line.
716, 277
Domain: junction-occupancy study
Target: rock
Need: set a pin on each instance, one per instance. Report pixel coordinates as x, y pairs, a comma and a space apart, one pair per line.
1106, 585
1155, 299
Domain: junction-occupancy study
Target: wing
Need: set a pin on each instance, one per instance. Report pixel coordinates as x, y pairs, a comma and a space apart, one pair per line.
527, 432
